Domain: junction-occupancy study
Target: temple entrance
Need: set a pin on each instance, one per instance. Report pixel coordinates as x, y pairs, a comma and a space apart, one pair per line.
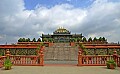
61, 53
63, 40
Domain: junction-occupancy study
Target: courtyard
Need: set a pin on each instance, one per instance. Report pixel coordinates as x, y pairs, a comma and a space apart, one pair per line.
60, 69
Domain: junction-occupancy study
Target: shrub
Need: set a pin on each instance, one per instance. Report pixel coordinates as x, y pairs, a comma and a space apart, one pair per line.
109, 63
7, 63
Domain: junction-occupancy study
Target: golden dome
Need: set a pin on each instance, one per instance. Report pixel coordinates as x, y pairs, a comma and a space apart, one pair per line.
61, 30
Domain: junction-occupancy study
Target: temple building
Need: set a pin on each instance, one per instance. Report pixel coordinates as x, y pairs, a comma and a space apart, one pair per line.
61, 35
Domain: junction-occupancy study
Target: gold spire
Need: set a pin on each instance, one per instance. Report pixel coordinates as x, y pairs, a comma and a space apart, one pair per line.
62, 29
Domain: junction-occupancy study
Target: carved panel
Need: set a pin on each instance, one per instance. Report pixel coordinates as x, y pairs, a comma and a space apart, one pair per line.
101, 51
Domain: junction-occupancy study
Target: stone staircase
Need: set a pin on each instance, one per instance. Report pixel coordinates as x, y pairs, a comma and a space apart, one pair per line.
61, 52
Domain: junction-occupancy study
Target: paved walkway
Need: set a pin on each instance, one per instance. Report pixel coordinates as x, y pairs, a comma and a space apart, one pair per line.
59, 70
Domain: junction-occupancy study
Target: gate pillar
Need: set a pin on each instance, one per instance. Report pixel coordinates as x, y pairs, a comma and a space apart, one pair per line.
79, 58
41, 58
115, 56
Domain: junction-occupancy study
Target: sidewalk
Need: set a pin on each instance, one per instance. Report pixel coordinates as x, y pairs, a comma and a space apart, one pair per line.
60, 70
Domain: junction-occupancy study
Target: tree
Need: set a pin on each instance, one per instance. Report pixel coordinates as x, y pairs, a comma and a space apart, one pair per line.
50, 39
39, 40
103, 39
27, 40
20, 40
84, 39
34, 40
23, 40
90, 39
45, 40
95, 39
73, 40
79, 39
100, 39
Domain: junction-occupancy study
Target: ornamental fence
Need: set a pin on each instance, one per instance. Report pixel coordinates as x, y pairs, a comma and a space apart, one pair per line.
96, 60
38, 60
24, 60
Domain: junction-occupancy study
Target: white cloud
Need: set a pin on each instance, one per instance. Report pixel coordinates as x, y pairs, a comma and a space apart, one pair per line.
102, 18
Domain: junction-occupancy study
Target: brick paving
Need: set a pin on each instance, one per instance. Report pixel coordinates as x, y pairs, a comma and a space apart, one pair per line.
63, 69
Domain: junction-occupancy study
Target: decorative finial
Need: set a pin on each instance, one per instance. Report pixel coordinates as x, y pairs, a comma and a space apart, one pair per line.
7, 52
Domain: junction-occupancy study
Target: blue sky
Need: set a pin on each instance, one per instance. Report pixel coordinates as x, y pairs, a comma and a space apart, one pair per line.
31, 4
32, 18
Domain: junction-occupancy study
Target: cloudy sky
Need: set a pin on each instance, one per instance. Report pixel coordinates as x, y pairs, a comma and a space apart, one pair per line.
31, 18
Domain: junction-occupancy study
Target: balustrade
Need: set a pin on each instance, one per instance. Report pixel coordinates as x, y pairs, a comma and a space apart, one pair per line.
95, 60
118, 61
24, 60
2, 58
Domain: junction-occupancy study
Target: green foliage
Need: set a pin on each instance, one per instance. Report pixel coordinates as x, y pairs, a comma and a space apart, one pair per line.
79, 39
0, 54
50, 39
84, 39
90, 39
34, 40
39, 40
85, 52
110, 62
27, 40
20, 40
100, 39
45, 39
39, 46
73, 39
103, 39
7, 63
95, 39
23, 40
82, 46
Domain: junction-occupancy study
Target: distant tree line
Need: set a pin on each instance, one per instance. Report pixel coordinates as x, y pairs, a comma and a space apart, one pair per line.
100, 39
47, 40
28, 40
